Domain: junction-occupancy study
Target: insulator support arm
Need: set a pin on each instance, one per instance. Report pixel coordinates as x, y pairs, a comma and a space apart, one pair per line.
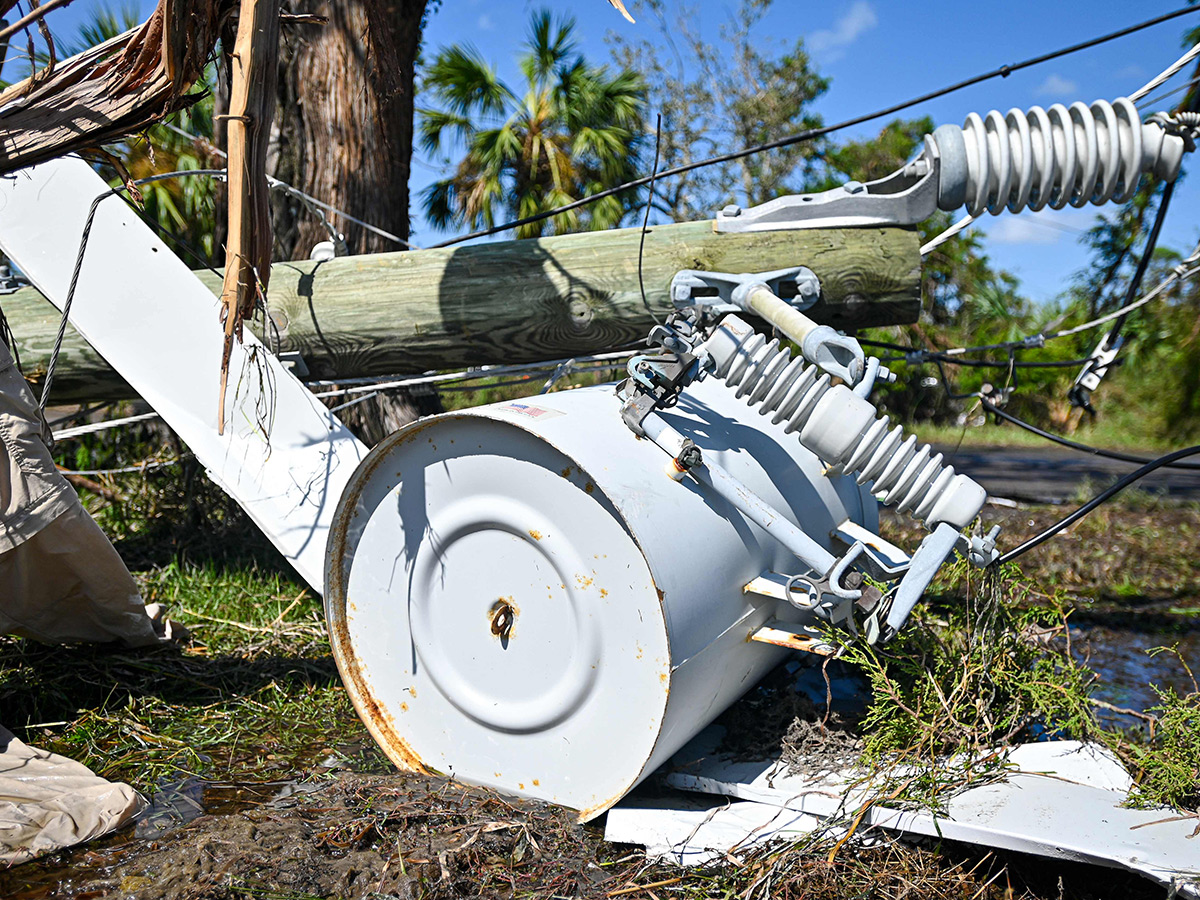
1022, 159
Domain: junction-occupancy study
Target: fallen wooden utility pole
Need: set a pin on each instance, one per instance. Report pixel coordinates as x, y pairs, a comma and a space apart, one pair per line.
508, 302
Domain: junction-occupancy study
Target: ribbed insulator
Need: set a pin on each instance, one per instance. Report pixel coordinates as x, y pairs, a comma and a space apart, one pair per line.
842, 429
1039, 157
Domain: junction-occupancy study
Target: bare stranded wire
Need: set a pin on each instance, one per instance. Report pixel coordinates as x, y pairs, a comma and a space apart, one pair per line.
1186, 268
810, 134
300, 195
349, 387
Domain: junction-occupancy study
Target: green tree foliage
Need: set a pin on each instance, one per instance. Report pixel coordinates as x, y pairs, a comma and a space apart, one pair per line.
575, 129
957, 272
717, 96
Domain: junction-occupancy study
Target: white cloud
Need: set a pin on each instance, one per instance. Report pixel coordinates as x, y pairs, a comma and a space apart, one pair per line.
1057, 86
1045, 227
485, 23
1020, 230
831, 43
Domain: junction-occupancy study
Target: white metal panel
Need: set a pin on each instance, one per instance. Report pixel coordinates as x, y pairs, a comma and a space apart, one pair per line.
693, 830
1034, 810
157, 325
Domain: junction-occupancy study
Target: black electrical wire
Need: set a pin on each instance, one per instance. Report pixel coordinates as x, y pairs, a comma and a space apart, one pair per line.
1135, 284
1079, 395
1032, 342
646, 218
1096, 501
1075, 445
808, 135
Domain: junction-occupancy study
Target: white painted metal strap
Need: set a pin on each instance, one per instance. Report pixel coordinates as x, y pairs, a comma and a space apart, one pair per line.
284, 457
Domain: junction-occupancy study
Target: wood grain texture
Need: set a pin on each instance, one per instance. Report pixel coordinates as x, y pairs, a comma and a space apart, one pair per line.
247, 135
516, 301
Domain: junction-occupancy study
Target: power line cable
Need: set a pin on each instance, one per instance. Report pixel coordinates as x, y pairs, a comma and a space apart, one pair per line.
1165, 75
1096, 501
1001, 72
992, 363
916, 355
646, 218
1153, 101
296, 192
1075, 445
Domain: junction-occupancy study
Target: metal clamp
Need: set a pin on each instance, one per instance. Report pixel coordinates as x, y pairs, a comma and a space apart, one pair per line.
905, 197
831, 596
799, 286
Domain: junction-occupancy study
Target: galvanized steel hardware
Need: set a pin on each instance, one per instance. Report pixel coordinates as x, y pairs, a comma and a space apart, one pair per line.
834, 421
1012, 161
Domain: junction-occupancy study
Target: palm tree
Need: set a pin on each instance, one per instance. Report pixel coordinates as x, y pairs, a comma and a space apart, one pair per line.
575, 130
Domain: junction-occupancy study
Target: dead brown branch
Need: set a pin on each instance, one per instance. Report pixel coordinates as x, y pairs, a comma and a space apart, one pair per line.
111, 90
34, 16
251, 106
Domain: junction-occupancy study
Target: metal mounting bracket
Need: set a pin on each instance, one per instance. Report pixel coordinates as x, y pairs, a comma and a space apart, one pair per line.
798, 286
905, 197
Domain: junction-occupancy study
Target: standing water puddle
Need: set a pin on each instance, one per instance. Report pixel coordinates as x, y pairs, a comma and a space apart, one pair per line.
1129, 672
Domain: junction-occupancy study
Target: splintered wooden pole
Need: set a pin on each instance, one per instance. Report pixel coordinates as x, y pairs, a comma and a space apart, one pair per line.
109, 91
251, 106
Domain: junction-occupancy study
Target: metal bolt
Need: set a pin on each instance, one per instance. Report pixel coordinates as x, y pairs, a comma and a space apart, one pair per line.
853, 580
731, 211
502, 619
689, 456
854, 187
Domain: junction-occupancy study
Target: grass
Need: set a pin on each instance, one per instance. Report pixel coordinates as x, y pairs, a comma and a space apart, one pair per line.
1005, 636
973, 675
256, 697
1169, 761
255, 694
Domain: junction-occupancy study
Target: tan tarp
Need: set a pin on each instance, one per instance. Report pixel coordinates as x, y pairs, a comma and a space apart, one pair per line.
61, 581
48, 802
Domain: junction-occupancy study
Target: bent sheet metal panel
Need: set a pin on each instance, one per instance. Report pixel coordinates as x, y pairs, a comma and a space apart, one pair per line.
157, 325
1063, 800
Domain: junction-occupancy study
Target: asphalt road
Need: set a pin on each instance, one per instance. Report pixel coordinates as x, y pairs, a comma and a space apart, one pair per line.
1056, 475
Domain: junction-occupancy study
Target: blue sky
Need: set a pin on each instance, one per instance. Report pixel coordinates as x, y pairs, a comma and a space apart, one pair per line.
877, 53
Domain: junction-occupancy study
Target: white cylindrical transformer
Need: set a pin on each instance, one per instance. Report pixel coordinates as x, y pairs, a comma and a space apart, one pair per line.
522, 597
